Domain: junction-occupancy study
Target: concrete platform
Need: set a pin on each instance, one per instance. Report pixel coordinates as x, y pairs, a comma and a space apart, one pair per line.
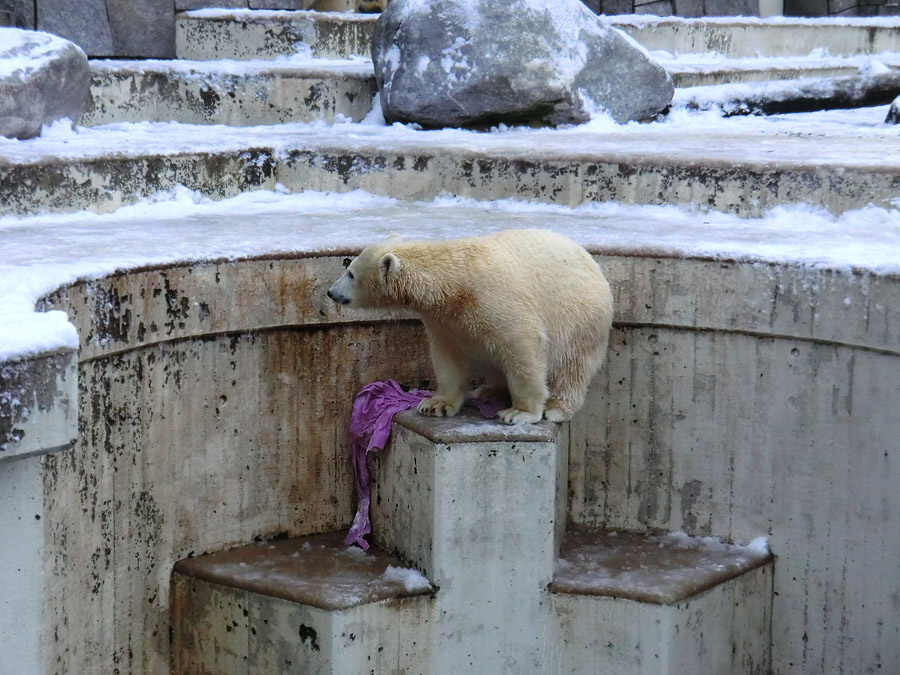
310, 605
635, 604
252, 93
479, 507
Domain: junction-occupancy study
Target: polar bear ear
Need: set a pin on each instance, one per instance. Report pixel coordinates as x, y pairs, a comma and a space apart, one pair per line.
393, 237
389, 265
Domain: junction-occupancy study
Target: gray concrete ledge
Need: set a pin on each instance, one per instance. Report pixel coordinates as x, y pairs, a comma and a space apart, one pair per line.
763, 37
265, 34
197, 93
38, 405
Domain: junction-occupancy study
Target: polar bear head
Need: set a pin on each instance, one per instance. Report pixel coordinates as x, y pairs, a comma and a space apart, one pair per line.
368, 281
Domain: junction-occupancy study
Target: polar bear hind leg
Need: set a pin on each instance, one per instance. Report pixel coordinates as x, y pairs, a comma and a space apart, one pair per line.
526, 380
569, 381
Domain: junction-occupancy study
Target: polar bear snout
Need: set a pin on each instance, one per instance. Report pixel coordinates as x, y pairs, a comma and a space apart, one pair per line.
337, 296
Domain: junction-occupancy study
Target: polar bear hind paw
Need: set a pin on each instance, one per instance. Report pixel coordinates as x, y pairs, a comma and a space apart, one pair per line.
516, 416
438, 407
553, 414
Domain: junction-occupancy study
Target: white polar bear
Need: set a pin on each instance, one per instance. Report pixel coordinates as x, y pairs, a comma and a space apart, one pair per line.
527, 310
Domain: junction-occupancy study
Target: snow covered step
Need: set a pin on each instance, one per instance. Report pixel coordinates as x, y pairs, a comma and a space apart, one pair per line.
693, 70
306, 605
479, 508
739, 37
247, 34
838, 162
634, 604
228, 92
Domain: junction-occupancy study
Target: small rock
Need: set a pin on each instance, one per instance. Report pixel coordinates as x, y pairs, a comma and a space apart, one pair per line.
43, 78
479, 62
893, 116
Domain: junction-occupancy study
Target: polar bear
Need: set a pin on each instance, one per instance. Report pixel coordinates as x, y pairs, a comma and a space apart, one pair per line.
527, 311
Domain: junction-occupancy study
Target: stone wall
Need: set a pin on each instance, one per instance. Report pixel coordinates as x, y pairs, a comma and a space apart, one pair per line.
146, 28
685, 8
841, 8
122, 28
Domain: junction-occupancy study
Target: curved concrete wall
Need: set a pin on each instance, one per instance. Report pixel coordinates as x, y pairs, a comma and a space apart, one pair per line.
740, 400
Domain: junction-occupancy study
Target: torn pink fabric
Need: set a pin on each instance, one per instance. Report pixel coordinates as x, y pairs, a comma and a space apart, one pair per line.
370, 428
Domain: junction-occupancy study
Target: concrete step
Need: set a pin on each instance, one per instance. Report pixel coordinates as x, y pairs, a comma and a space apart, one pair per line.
248, 34
255, 34
697, 70
480, 508
748, 37
301, 89
307, 605
237, 94
740, 166
248, 93
635, 604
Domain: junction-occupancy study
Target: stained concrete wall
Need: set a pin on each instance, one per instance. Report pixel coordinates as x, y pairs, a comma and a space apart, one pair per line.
740, 400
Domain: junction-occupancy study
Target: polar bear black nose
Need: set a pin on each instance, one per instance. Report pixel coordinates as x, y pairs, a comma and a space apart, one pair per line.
329, 294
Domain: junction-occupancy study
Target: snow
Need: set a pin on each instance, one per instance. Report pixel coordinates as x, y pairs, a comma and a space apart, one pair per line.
24, 52
42, 253
411, 580
302, 63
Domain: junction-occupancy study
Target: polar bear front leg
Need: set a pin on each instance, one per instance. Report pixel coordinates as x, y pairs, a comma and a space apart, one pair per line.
526, 380
452, 377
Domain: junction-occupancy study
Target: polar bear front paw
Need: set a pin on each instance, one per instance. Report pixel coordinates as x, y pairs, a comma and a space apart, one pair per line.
438, 407
516, 416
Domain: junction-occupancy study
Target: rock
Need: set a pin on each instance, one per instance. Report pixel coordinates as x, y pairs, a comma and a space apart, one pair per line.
478, 62
893, 116
43, 78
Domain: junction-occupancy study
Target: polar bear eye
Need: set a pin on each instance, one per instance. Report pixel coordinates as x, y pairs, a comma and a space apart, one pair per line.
350, 274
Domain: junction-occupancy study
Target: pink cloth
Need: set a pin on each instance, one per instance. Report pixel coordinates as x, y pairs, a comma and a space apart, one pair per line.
370, 428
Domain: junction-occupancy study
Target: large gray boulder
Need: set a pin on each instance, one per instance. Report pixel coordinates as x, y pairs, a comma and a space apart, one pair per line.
43, 78
478, 62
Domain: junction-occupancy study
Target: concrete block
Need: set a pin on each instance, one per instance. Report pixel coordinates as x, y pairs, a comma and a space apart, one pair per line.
22, 594
134, 91
479, 507
308, 605
660, 605
230, 35
38, 405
